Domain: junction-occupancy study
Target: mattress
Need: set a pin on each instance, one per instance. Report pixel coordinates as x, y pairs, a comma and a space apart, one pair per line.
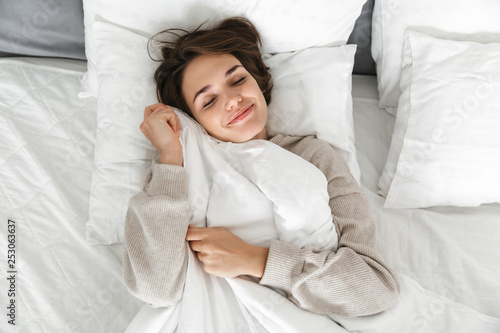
62, 283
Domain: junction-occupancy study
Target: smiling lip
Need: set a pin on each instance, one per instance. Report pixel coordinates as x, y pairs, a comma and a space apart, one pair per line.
240, 115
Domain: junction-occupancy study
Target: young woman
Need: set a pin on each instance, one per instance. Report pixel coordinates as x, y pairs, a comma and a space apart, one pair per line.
218, 77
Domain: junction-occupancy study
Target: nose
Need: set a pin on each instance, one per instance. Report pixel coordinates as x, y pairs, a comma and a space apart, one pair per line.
233, 99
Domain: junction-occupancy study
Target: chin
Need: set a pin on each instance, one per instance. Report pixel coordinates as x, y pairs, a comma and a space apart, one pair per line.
242, 138
244, 134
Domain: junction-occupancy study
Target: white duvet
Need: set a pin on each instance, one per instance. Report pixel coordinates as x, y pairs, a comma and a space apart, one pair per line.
261, 191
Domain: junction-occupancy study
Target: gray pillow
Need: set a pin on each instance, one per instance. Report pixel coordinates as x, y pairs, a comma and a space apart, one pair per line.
362, 36
48, 28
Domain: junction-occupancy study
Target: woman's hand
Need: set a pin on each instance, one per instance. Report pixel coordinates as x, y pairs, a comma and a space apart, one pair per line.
162, 128
226, 255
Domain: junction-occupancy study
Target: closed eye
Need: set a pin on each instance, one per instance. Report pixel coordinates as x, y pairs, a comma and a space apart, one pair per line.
234, 84
240, 80
209, 103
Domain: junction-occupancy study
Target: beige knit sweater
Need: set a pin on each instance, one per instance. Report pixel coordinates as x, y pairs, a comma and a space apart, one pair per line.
353, 281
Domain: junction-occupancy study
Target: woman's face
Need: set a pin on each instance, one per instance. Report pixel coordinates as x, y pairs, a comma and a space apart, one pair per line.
224, 98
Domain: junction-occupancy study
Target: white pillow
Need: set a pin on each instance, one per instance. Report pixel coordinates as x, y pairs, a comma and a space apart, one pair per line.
311, 95
285, 25
446, 19
445, 149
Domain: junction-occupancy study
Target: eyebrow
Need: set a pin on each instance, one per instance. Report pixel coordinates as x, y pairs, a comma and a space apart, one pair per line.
204, 89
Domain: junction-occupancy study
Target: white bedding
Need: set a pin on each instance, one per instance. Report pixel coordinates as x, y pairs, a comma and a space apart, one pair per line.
47, 139
452, 251
64, 284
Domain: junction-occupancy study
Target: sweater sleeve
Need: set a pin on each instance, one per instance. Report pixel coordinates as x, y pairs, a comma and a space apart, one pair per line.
155, 254
354, 280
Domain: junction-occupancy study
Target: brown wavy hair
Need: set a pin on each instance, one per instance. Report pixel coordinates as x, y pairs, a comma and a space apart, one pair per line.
236, 36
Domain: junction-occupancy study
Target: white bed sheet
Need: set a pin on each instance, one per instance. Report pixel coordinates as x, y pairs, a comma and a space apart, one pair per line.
65, 285
452, 251
47, 138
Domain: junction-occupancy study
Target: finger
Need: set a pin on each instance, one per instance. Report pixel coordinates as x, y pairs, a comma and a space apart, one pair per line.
195, 234
161, 117
149, 109
142, 127
196, 246
163, 111
201, 256
174, 123
155, 108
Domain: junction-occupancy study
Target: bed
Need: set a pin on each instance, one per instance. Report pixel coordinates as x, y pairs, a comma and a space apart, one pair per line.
56, 189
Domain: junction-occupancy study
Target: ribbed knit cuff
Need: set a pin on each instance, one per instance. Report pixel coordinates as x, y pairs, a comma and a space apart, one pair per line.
283, 262
168, 179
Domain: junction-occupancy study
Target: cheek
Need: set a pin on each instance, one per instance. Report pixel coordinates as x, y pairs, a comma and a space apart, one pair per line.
209, 119
202, 119
261, 94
